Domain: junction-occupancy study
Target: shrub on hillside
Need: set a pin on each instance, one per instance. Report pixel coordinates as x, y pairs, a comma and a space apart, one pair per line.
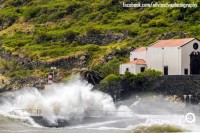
31, 12
128, 83
80, 12
129, 76
108, 17
6, 21
157, 23
129, 21
147, 78
92, 48
110, 67
150, 74
70, 36
177, 15
56, 15
93, 31
115, 2
16, 2
42, 37
111, 79
145, 17
72, 7
9, 65
19, 74
134, 31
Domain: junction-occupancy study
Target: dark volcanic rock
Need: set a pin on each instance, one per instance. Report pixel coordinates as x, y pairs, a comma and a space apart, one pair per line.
99, 38
78, 61
26, 62
172, 35
18, 83
6, 22
118, 53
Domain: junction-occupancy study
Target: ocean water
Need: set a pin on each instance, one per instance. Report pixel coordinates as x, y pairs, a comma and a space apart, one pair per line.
87, 111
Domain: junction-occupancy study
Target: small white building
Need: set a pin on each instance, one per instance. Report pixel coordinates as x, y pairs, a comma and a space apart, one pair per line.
172, 57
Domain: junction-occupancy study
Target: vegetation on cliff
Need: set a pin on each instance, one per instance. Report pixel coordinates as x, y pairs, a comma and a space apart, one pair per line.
123, 85
47, 30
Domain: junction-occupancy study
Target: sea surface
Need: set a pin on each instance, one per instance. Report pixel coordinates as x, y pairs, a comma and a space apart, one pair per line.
85, 111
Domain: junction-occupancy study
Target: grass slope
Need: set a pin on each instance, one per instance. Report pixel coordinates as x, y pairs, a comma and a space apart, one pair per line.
46, 29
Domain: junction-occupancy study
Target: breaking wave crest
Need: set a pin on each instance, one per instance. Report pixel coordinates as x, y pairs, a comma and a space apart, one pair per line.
70, 101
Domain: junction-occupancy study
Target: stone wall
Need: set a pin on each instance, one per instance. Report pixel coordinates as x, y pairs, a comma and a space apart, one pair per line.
179, 85
166, 85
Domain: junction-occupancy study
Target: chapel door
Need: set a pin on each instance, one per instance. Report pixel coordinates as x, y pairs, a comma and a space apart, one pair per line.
195, 63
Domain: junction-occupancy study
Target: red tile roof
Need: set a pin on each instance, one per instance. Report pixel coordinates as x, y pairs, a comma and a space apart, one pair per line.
140, 49
171, 43
138, 61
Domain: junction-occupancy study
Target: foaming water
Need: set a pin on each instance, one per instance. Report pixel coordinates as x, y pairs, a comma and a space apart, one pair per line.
70, 101
76, 102
162, 114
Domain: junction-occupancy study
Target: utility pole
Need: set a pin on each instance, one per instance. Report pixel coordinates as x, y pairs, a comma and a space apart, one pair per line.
185, 96
53, 69
154, 97
173, 103
190, 97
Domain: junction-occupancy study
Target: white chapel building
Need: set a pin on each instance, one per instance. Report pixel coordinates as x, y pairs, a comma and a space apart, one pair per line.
172, 57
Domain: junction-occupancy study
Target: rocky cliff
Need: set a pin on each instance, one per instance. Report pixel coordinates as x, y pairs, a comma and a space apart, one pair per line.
15, 83
98, 38
19, 83
70, 62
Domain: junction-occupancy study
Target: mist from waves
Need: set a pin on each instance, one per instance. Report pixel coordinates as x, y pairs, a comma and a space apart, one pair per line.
60, 101
162, 113
76, 100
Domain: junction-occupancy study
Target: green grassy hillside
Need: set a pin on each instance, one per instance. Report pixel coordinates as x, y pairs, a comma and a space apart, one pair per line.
48, 29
